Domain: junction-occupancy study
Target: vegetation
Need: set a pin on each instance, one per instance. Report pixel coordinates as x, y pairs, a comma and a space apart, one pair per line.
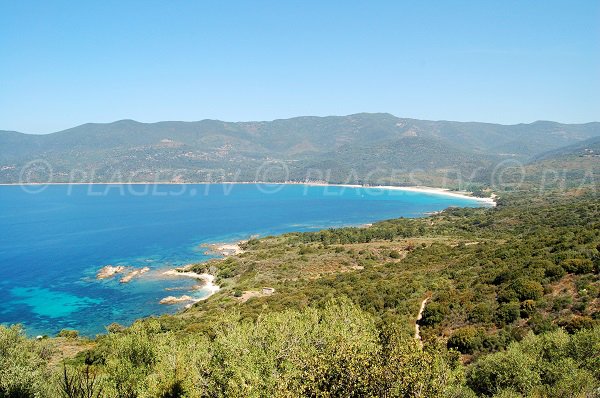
360, 148
506, 271
334, 351
513, 309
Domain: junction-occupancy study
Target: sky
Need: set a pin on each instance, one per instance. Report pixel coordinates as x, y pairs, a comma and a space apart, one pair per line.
65, 63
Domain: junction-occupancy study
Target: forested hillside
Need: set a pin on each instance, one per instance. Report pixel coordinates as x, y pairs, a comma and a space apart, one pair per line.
589, 148
360, 148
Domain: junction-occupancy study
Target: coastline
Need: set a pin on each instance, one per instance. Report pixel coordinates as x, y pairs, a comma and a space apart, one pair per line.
440, 191
227, 249
415, 188
227, 246
209, 286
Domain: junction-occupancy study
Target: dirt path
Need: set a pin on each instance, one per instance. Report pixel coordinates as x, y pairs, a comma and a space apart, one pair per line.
419, 316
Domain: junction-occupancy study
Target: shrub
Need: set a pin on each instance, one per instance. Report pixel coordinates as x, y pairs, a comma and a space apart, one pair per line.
68, 333
508, 313
23, 371
553, 364
527, 308
115, 328
395, 254
554, 272
433, 314
305, 249
482, 313
527, 289
540, 324
578, 265
562, 302
577, 323
466, 340
510, 369
507, 294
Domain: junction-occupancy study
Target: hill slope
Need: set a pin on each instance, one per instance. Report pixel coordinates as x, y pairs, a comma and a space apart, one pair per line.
212, 150
589, 148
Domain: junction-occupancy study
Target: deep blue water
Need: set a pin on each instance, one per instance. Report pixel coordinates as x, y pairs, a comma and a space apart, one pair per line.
53, 242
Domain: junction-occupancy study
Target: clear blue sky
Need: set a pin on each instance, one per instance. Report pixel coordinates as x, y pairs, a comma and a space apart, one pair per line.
63, 63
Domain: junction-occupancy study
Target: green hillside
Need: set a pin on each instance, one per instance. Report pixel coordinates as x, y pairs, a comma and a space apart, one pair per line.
589, 148
212, 150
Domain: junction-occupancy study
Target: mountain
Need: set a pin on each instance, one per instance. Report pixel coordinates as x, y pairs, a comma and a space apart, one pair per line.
213, 150
589, 148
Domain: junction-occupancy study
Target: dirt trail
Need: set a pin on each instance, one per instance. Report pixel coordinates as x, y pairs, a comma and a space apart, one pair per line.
419, 316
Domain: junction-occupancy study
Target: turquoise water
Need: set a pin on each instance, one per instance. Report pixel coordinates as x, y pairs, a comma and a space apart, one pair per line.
54, 239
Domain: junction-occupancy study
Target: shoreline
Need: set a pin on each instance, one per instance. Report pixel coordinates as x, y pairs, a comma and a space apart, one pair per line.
209, 286
227, 248
414, 188
224, 249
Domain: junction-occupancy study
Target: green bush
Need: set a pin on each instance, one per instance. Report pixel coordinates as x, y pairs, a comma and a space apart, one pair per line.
68, 333
466, 340
527, 289
527, 308
578, 265
305, 249
334, 351
554, 272
433, 314
540, 324
23, 369
576, 323
508, 313
395, 254
552, 365
115, 328
507, 294
482, 313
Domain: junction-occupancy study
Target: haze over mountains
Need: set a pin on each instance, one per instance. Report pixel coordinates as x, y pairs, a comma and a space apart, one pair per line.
372, 148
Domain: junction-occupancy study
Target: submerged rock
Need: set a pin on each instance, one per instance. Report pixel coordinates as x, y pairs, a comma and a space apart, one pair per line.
133, 274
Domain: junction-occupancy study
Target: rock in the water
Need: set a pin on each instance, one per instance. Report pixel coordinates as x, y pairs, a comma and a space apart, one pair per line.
175, 300
109, 271
133, 274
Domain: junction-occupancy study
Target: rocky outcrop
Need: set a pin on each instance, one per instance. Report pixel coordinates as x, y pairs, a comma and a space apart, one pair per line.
175, 300
109, 271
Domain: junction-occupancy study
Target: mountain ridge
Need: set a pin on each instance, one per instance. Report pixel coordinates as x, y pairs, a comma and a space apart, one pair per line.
217, 150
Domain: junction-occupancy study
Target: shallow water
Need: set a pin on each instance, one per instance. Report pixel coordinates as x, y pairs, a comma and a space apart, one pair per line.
53, 242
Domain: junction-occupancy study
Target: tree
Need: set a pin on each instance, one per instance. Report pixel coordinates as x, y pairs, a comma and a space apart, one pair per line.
23, 370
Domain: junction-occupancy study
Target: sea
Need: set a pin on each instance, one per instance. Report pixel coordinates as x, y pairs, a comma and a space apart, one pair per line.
55, 238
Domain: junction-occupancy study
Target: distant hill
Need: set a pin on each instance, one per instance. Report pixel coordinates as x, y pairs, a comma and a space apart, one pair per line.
589, 148
212, 150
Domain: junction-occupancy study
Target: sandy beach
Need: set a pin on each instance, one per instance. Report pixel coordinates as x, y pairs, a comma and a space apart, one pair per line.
209, 286
439, 191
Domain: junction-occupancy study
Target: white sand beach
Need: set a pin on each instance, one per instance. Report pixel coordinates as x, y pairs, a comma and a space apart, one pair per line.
209, 286
439, 191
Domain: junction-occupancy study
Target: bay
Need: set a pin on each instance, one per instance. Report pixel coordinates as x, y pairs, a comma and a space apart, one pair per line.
54, 239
